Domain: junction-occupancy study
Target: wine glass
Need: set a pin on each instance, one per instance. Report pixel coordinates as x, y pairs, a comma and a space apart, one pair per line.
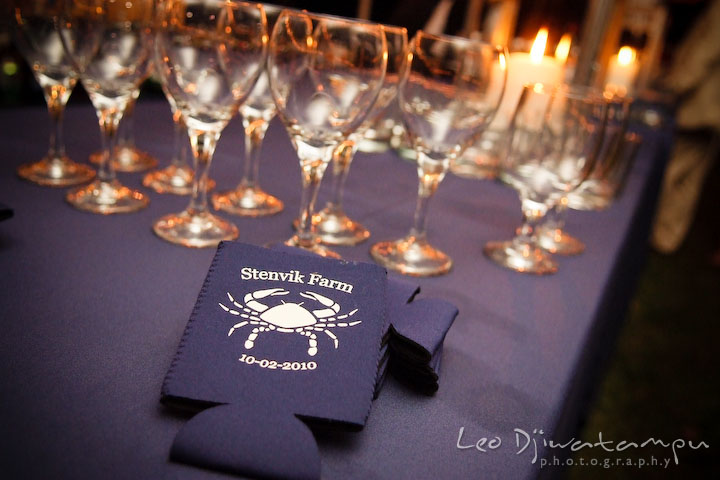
447, 97
599, 190
555, 138
176, 178
332, 225
38, 39
109, 42
551, 234
212, 53
248, 199
325, 74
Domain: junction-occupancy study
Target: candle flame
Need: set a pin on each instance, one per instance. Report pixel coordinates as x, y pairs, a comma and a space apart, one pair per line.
626, 55
538, 49
503, 61
563, 48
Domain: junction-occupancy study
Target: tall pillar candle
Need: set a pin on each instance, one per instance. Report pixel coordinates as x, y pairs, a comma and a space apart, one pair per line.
524, 68
621, 73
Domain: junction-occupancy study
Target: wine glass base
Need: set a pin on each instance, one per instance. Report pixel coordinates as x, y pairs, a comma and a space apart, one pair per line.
56, 172
247, 202
333, 227
128, 160
174, 180
520, 257
368, 145
411, 256
106, 198
559, 242
196, 230
588, 201
315, 247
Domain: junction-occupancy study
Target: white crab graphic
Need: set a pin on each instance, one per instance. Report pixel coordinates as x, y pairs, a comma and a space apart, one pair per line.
288, 317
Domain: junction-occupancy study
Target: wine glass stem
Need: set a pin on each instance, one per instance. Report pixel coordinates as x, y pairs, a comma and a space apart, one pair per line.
56, 98
342, 158
559, 210
255, 129
312, 173
203, 146
109, 122
533, 214
125, 137
179, 159
430, 174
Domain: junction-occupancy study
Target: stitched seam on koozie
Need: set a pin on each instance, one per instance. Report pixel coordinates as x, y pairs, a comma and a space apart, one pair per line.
189, 326
379, 347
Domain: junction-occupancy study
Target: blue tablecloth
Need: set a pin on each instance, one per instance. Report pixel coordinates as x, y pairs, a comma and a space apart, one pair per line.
92, 309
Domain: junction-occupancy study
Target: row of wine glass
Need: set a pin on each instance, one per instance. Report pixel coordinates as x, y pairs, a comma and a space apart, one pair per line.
326, 78
210, 58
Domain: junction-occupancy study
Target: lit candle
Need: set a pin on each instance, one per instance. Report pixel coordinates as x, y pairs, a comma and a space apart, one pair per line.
621, 72
562, 52
524, 68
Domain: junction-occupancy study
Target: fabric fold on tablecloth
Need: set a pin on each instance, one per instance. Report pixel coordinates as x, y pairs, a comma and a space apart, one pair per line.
5, 212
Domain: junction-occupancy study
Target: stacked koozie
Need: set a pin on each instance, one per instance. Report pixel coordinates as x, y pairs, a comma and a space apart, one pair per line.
278, 335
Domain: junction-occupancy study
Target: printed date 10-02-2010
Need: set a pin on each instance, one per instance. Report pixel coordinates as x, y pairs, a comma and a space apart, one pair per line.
275, 365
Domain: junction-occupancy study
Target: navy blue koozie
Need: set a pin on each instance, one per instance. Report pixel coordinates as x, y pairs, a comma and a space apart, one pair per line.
274, 337
416, 339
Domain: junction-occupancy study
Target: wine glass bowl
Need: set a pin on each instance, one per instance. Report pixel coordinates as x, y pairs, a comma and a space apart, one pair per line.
325, 74
447, 96
38, 39
555, 137
211, 54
